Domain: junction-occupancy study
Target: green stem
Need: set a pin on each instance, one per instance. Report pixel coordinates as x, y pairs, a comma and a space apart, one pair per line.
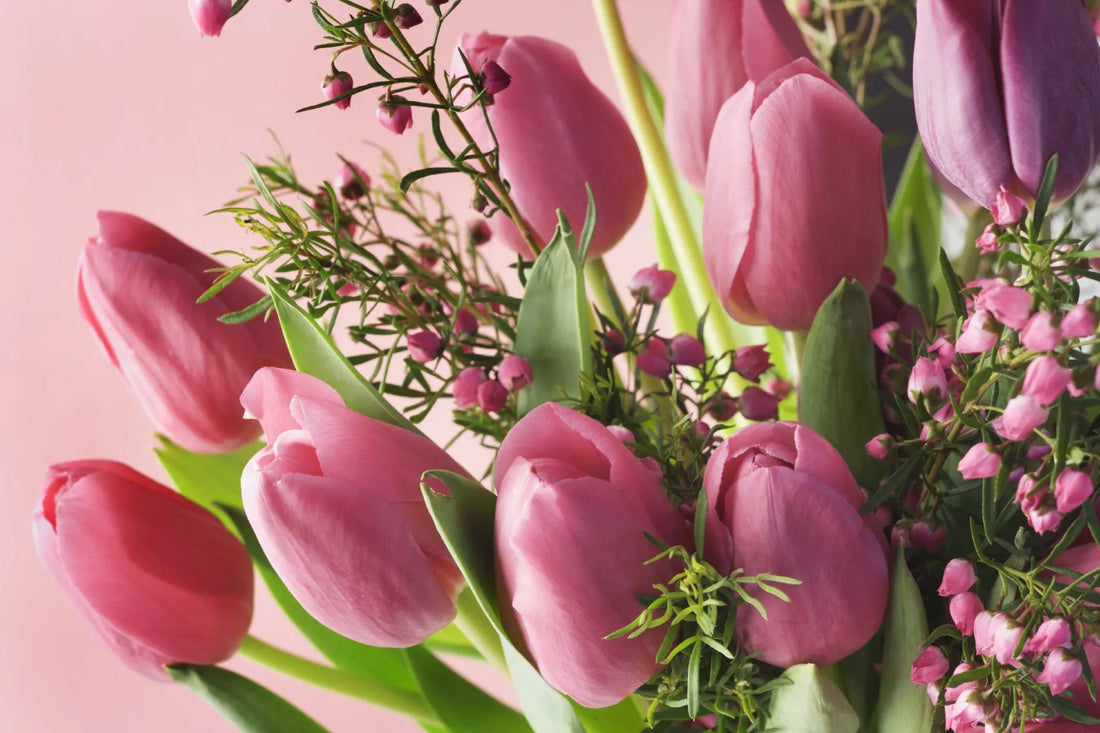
602, 289
797, 340
477, 627
337, 680
662, 179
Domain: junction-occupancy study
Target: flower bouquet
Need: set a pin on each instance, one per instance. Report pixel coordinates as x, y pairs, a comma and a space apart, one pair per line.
828, 464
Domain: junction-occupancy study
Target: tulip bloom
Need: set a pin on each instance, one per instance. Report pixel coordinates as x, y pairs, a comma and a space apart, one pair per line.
716, 46
158, 576
335, 501
1001, 86
557, 131
781, 500
137, 286
778, 233
573, 508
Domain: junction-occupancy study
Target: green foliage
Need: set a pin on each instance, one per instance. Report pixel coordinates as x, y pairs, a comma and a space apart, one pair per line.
249, 706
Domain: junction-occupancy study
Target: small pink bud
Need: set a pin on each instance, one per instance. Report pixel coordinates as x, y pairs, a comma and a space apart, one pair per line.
352, 181
1038, 450
1009, 305
751, 361
879, 446
621, 434
686, 350
1072, 489
930, 665
492, 396
1045, 380
652, 285
494, 79
927, 380
479, 232
987, 240
1040, 334
958, 577
979, 334
1060, 671
380, 30
885, 336
1079, 322
943, 351
980, 462
394, 115
928, 539
1022, 415
722, 407
964, 608
613, 342
1006, 637
1051, 634
654, 360
1042, 518
515, 372
955, 691
465, 323
983, 633
405, 16
465, 386
781, 388
424, 346
756, 404
1008, 208
210, 15
702, 429
335, 85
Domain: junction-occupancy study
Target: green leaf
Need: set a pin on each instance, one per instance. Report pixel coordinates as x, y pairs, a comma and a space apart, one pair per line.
811, 703
209, 480
839, 393
462, 707
1042, 198
902, 706
314, 352
553, 331
411, 178
249, 706
914, 224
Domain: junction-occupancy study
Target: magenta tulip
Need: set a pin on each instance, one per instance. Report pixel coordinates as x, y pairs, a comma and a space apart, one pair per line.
716, 47
557, 131
335, 501
573, 509
782, 501
1002, 85
137, 286
778, 234
158, 576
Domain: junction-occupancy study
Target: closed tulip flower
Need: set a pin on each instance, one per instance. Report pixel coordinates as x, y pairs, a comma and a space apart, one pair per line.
137, 286
557, 131
781, 500
573, 509
794, 198
1001, 86
335, 501
158, 576
716, 46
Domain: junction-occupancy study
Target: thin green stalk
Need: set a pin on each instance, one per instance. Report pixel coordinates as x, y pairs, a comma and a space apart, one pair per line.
473, 622
662, 179
337, 680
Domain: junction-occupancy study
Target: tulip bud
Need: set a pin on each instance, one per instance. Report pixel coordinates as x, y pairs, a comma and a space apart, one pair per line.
553, 118
768, 210
1045, 380
1040, 334
335, 501
137, 287
958, 577
492, 396
158, 576
652, 285
562, 474
751, 361
515, 372
686, 350
210, 15
352, 182
980, 462
466, 385
337, 84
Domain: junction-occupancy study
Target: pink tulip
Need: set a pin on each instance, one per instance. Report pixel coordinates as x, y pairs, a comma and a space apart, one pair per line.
335, 501
210, 15
557, 131
980, 462
781, 500
652, 285
777, 235
964, 609
1045, 380
573, 508
136, 287
158, 576
515, 372
335, 85
958, 577
716, 46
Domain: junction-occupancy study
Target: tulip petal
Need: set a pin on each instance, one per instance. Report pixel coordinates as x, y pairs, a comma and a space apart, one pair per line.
268, 395
771, 39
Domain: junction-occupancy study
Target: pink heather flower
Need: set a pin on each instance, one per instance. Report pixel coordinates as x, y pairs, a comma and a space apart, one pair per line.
1040, 334
1006, 637
964, 609
492, 396
927, 380
1007, 208
967, 714
465, 386
1060, 671
756, 404
1079, 322
929, 666
1045, 380
494, 79
1042, 518
337, 84
424, 346
210, 15
781, 388
1072, 489
954, 692
394, 115
885, 336
1037, 450
352, 181
958, 577
943, 351
652, 285
980, 462
721, 406
1051, 634
987, 240
515, 372
479, 232
979, 334
928, 539
654, 360
686, 350
983, 633
751, 361
613, 342
405, 16
879, 446
621, 434
1022, 415
1009, 305
1026, 495
380, 30
465, 323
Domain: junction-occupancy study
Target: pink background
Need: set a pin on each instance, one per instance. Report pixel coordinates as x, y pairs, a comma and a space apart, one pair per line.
122, 105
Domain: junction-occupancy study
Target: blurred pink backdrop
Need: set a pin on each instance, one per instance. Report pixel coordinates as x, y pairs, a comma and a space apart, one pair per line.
122, 105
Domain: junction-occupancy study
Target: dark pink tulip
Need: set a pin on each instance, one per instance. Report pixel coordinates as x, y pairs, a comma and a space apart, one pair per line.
716, 46
777, 234
210, 15
137, 286
158, 576
1002, 85
781, 500
335, 501
573, 508
557, 131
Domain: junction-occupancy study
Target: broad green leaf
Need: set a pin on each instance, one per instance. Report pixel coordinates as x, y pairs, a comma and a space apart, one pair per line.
811, 703
553, 329
914, 224
209, 480
547, 710
623, 717
249, 706
451, 640
462, 707
902, 706
839, 393
315, 353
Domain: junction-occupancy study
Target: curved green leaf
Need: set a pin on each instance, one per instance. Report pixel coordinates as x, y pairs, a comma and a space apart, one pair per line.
209, 480
810, 703
461, 706
249, 706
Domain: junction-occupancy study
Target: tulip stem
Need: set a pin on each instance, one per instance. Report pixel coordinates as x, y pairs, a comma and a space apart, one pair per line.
662, 179
477, 627
353, 685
